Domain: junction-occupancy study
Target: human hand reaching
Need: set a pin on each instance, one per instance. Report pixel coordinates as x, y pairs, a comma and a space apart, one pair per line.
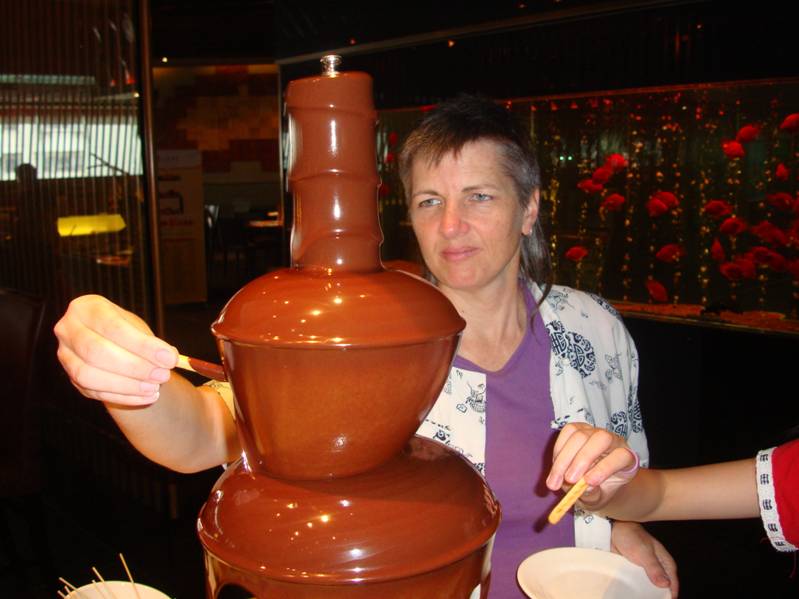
602, 458
110, 354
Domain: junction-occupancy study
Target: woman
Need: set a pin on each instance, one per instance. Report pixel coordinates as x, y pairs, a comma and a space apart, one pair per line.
532, 357
472, 183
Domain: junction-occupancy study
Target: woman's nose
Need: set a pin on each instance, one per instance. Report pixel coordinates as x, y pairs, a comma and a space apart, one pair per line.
452, 223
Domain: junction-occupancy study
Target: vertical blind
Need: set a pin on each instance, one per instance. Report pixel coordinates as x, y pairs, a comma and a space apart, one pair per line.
72, 205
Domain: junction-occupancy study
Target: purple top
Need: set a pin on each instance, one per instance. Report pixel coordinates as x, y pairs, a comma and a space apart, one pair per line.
518, 454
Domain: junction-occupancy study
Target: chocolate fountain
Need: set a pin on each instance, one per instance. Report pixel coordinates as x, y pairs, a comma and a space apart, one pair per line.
334, 363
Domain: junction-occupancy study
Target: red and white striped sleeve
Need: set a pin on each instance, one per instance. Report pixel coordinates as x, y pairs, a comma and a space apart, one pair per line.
778, 494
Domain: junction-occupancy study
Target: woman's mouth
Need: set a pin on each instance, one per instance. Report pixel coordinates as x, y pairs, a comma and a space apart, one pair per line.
458, 254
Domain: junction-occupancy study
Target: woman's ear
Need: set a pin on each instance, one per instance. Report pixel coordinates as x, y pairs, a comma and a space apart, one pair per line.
531, 212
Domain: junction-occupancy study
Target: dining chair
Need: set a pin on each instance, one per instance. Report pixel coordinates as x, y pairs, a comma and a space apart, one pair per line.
21, 464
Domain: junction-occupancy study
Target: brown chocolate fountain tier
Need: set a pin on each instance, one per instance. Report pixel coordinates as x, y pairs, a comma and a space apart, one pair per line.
419, 513
333, 373
335, 361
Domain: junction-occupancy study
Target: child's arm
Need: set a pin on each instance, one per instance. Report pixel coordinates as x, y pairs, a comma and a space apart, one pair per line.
716, 491
764, 486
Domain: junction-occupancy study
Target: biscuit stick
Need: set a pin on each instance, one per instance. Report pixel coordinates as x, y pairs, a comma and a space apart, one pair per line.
565, 504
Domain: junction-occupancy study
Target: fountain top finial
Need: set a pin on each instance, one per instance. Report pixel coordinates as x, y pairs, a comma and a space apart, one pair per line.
330, 63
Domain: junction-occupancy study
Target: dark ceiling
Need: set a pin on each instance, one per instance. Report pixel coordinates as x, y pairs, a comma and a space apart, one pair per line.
213, 31
256, 30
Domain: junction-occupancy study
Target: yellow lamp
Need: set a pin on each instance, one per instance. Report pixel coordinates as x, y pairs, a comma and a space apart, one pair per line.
89, 224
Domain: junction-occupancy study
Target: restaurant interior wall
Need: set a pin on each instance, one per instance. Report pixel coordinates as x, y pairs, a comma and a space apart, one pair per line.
229, 114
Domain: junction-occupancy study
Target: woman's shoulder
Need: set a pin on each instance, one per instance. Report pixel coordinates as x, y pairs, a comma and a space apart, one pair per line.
567, 303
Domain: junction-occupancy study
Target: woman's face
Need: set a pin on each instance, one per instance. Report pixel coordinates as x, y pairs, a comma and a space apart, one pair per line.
467, 218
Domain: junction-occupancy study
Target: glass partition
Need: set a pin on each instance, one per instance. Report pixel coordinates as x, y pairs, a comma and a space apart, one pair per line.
672, 202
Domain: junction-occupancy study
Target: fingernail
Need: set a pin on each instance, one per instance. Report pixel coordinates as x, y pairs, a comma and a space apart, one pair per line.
146, 387
165, 358
159, 375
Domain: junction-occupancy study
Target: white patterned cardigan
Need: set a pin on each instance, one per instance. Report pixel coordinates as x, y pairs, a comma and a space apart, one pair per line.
593, 374
593, 378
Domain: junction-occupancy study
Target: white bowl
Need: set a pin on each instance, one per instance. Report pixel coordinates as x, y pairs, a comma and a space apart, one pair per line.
119, 589
576, 573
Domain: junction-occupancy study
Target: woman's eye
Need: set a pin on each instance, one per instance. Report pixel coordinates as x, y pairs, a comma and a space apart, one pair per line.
429, 202
481, 197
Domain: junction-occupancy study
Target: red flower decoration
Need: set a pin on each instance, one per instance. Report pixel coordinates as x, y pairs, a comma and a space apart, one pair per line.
667, 198
671, 252
731, 271
758, 253
793, 234
717, 251
717, 209
780, 200
791, 123
576, 253
613, 203
781, 173
383, 190
657, 291
747, 266
393, 138
656, 207
616, 162
590, 186
742, 267
769, 233
661, 202
747, 133
792, 266
390, 157
602, 174
732, 149
768, 257
733, 226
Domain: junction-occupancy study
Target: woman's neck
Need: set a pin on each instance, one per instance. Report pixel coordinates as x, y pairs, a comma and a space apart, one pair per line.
496, 321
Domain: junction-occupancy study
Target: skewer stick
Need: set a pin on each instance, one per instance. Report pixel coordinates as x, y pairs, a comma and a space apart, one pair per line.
69, 586
105, 584
127, 570
208, 369
567, 501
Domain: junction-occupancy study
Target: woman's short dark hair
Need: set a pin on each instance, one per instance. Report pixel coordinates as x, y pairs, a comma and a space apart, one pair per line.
468, 118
